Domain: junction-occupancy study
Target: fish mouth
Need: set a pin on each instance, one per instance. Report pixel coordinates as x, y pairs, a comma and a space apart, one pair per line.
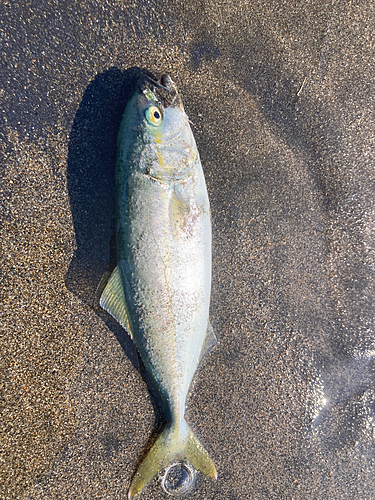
167, 82
164, 90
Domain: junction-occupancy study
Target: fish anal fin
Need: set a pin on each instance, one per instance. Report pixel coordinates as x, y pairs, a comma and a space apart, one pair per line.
113, 300
210, 341
211, 338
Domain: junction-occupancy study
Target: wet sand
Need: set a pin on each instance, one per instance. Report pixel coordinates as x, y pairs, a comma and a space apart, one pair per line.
281, 98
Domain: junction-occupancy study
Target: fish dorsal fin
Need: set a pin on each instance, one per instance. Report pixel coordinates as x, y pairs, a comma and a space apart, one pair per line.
113, 300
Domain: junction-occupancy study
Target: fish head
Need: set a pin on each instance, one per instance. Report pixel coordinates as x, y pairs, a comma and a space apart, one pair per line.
163, 147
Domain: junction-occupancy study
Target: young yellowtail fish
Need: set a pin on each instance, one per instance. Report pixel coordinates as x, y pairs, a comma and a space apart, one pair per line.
160, 289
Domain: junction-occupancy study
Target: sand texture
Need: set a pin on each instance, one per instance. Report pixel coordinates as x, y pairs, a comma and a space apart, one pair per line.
281, 96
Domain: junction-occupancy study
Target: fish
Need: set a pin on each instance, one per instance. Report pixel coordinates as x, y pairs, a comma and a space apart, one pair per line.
159, 291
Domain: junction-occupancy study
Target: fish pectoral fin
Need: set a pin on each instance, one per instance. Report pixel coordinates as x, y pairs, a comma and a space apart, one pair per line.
175, 444
113, 300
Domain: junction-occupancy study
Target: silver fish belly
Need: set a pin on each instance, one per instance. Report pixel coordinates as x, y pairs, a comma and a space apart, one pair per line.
160, 289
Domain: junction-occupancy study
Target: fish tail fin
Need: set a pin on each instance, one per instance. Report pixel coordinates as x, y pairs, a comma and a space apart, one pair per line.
176, 443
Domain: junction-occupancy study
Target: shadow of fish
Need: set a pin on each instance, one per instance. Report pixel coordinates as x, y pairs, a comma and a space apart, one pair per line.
160, 289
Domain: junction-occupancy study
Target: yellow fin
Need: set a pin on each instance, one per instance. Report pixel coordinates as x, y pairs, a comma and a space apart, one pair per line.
113, 300
176, 443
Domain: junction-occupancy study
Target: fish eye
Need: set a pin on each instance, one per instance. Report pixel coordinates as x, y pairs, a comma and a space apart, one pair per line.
154, 116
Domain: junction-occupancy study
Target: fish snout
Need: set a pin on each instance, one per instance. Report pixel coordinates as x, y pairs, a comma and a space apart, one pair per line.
167, 82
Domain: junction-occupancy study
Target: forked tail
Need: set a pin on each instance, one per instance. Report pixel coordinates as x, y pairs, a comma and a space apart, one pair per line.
176, 443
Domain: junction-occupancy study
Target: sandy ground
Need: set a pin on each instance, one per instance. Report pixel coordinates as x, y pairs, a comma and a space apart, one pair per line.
282, 97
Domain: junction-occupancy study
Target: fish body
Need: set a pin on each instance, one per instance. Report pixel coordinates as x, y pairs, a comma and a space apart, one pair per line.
160, 289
